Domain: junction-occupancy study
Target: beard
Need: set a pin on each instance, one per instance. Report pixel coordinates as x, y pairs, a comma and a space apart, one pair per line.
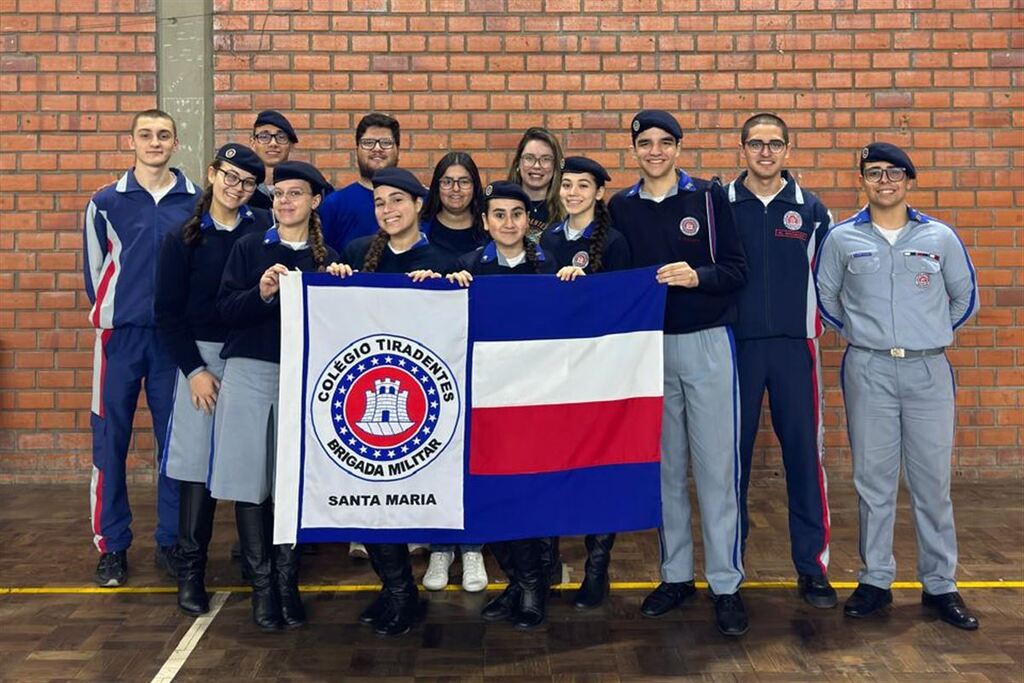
366, 171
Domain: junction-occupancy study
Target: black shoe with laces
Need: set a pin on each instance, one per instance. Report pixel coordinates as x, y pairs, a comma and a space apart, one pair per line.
866, 599
951, 609
816, 591
166, 558
730, 614
666, 597
112, 569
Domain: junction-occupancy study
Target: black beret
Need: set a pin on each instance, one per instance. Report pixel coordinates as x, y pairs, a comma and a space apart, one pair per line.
269, 117
502, 189
300, 170
400, 178
886, 151
244, 158
655, 118
585, 165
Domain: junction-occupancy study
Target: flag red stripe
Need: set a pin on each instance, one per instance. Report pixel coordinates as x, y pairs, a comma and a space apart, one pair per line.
553, 438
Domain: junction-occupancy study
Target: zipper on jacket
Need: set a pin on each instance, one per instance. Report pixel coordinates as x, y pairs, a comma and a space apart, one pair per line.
767, 279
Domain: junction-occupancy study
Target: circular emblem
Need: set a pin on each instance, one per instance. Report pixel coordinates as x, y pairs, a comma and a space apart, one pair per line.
792, 220
689, 226
922, 280
230, 153
864, 153
384, 408
489, 190
581, 259
561, 164
636, 125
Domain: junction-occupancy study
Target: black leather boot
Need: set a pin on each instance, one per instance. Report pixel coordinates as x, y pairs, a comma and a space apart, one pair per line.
195, 527
257, 556
402, 604
551, 560
286, 580
532, 580
506, 604
594, 588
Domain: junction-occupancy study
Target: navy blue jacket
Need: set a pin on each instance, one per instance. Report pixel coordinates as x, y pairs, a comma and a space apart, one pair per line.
454, 242
254, 325
484, 261
678, 229
187, 279
781, 241
422, 256
614, 256
347, 214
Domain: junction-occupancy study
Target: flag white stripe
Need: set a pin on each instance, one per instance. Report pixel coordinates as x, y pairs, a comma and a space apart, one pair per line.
609, 368
289, 419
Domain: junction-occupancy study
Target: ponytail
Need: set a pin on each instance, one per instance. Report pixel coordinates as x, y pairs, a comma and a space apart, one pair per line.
191, 230
316, 242
602, 224
373, 254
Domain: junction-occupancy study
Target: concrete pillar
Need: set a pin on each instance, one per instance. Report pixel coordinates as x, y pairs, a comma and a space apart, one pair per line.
185, 78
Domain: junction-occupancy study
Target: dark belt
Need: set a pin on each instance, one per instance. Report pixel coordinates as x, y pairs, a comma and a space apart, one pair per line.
899, 352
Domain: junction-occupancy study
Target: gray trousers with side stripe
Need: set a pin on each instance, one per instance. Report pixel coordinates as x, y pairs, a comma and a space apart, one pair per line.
700, 424
901, 411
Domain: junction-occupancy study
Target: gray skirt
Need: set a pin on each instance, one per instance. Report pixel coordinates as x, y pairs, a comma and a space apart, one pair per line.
245, 432
190, 433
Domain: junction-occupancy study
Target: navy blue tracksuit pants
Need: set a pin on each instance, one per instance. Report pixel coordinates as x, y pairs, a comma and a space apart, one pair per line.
790, 371
122, 359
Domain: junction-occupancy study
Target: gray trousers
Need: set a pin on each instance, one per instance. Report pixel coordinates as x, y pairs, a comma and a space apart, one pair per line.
700, 423
902, 411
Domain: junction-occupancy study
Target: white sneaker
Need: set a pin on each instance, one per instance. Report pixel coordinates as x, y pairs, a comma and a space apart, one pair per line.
474, 573
358, 551
436, 577
419, 548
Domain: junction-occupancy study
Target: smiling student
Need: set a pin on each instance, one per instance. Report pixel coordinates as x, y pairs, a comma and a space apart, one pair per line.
452, 212
188, 275
536, 167
244, 439
273, 139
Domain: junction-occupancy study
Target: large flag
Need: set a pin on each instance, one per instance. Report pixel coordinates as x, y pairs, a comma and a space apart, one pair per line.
521, 407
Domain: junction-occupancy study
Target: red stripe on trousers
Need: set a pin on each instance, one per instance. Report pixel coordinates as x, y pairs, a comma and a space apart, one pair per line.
553, 438
98, 512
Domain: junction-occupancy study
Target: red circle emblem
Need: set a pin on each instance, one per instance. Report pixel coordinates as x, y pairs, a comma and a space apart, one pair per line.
689, 226
922, 280
409, 398
793, 220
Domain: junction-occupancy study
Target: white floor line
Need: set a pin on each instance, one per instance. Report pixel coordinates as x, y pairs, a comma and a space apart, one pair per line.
189, 641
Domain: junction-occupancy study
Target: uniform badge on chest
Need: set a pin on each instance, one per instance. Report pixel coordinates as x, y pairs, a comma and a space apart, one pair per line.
923, 280
793, 220
581, 259
689, 226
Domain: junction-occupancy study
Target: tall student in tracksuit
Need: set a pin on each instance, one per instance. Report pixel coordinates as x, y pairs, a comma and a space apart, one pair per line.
510, 252
244, 433
685, 226
398, 247
188, 275
897, 284
125, 224
782, 227
585, 242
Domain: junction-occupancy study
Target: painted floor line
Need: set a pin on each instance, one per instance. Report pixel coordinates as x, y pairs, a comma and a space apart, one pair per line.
189, 641
370, 587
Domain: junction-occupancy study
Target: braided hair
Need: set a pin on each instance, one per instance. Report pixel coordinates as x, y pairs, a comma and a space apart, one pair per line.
316, 242
372, 259
602, 224
531, 250
191, 230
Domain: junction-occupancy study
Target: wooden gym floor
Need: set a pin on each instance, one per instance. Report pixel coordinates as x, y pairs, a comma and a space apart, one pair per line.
55, 625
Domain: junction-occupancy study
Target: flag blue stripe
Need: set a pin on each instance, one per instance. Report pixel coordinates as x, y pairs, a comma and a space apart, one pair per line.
536, 307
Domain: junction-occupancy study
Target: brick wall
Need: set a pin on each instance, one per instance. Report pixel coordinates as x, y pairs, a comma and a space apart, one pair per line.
939, 77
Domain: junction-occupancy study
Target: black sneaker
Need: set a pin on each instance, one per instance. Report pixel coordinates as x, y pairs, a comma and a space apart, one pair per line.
167, 558
817, 591
112, 569
730, 614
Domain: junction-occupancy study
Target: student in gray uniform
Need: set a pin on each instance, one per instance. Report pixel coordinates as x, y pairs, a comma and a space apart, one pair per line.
896, 284
188, 274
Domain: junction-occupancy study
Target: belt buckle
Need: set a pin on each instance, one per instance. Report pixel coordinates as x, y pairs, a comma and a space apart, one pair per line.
898, 352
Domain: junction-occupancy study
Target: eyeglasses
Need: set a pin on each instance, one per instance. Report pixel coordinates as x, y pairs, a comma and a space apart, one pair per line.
264, 138
370, 143
544, 160
463, 183
893, 174
774, 146
232, 179
290, 195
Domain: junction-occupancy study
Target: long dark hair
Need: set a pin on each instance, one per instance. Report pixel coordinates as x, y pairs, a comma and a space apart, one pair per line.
316, 241
191, 229
432, 205
555, 210
598, 238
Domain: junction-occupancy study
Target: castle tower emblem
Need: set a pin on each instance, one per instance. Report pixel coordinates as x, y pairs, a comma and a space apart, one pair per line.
385, 413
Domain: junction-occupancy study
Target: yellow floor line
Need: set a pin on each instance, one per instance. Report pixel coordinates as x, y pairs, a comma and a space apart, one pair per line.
369, 587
